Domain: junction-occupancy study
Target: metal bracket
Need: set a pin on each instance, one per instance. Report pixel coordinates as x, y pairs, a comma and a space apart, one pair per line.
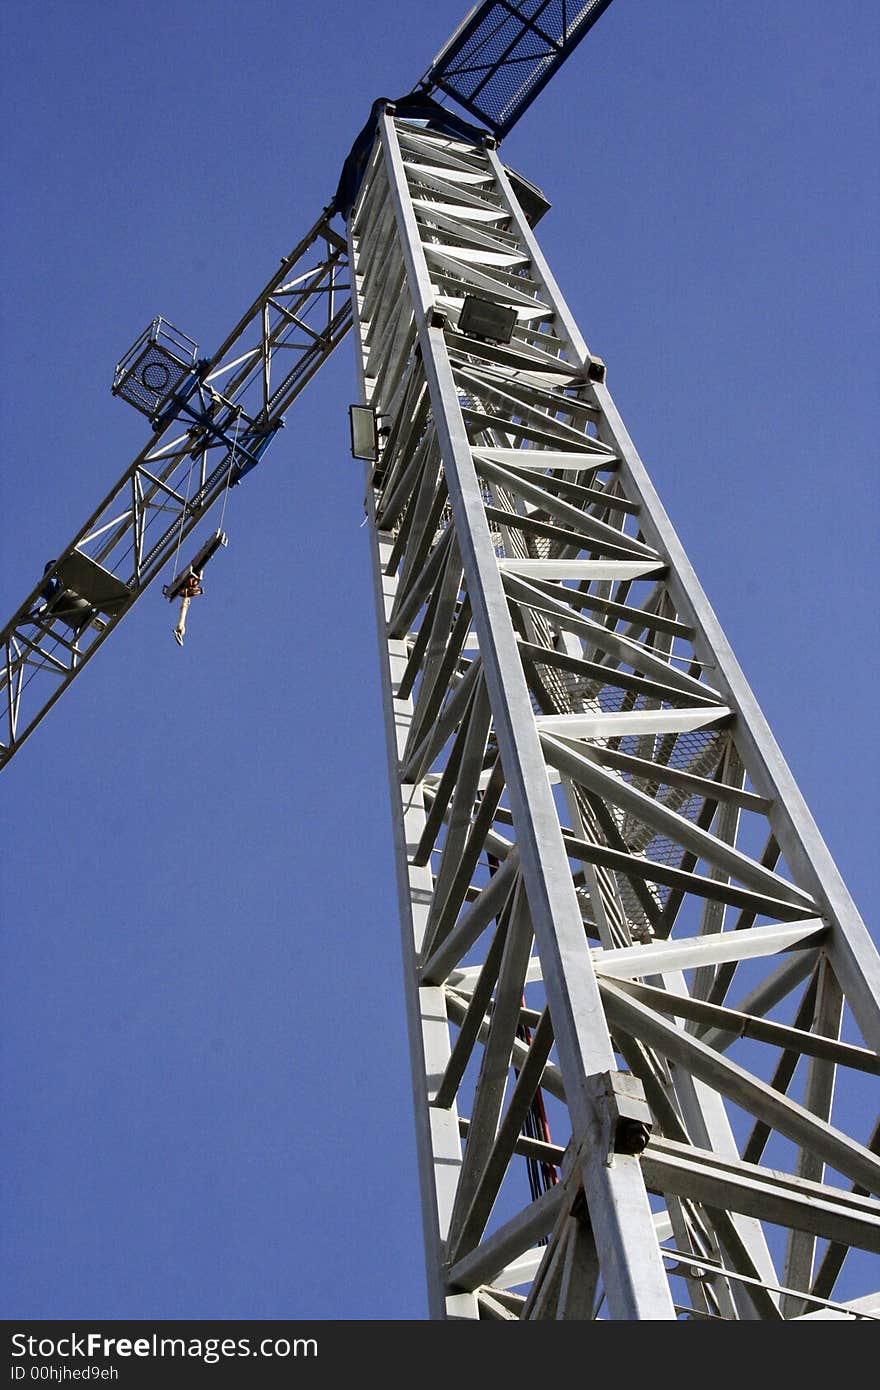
626, 1119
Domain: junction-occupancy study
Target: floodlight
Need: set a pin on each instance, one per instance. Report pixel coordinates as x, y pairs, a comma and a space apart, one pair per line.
483, 318
364, 432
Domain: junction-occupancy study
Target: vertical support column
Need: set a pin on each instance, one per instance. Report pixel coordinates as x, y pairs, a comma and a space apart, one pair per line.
635, 1281
540, 623
437, 1140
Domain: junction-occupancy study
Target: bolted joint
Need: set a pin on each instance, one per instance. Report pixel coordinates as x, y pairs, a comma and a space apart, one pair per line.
627, 1115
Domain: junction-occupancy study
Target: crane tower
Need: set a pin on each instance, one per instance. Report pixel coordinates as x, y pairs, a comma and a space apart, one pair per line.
633, 972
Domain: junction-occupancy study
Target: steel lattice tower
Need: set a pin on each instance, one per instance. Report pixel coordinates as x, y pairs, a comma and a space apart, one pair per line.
632, 969
607, 875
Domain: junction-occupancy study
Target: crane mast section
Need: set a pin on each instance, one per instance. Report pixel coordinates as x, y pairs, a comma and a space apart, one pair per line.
211, 430
622, 933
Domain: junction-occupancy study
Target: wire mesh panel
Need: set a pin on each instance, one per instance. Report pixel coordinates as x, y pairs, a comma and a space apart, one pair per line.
504, 54
154, 367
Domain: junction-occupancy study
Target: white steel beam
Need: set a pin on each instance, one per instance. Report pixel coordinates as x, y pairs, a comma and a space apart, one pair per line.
635, 1282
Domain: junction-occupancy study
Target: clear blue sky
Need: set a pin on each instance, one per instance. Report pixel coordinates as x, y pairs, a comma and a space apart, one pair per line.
205, 1102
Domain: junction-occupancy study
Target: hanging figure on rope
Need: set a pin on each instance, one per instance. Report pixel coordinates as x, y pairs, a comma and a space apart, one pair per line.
188, 585
192, 587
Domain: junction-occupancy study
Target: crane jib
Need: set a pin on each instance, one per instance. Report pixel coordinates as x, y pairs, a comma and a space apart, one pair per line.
506, 46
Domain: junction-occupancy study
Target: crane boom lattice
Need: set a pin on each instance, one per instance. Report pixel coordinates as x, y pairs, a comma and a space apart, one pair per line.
213, 421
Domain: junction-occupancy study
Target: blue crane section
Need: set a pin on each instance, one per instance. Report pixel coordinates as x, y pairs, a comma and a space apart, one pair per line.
505, 53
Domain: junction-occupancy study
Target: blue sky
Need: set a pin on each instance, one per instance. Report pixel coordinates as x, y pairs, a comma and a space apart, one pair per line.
205, 1101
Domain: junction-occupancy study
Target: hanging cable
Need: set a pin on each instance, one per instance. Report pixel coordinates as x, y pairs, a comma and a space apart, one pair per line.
192, 465
231, 465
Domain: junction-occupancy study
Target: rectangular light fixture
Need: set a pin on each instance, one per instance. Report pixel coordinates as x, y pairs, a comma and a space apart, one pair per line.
529, 197
364, 432
482, 318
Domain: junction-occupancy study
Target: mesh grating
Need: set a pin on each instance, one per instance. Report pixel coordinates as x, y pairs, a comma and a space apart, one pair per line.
582, 694
447, 521
697, 752
502, 58
151, 380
